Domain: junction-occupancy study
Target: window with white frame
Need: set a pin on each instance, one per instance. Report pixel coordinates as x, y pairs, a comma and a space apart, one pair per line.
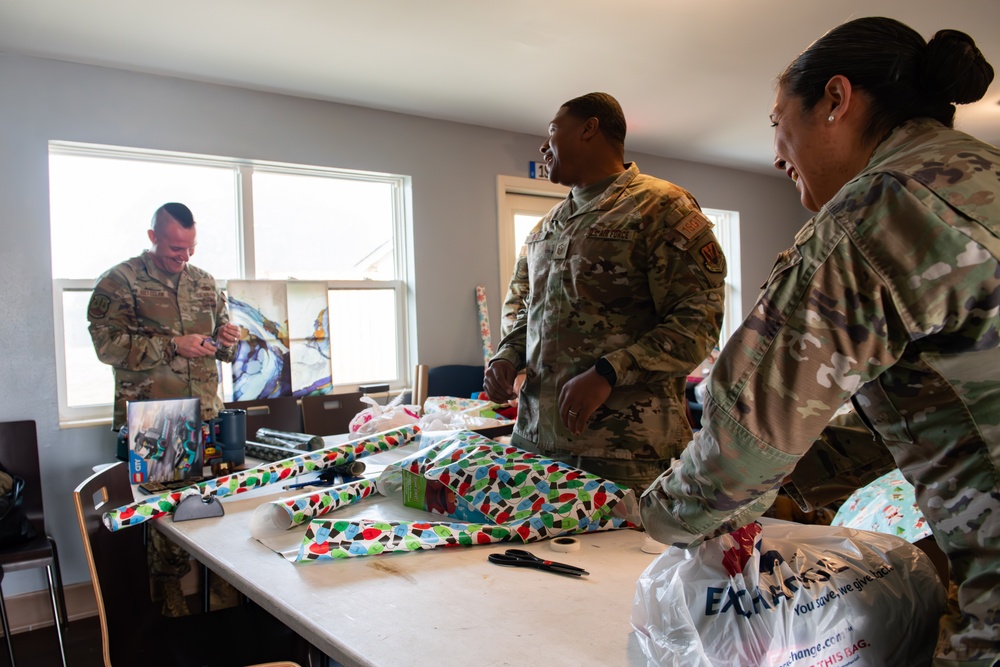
727, 231
256, 220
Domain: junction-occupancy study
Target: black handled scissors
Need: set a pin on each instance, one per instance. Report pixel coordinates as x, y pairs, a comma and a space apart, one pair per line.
522, 558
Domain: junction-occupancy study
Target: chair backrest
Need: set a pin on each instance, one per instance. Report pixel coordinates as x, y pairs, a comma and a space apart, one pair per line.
455, 380
279, 414
117, 560
19, 454
330, 414
132, 629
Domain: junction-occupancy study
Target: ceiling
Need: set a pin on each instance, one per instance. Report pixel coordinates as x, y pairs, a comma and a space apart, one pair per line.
695, 77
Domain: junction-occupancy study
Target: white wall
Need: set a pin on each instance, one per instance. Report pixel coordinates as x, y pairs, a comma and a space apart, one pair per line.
453, 167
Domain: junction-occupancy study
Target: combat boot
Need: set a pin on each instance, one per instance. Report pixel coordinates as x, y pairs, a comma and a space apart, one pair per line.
222, 594
174, 602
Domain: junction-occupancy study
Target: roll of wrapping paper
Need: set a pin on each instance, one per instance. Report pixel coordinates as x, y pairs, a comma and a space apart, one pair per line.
328, 539
484, 324
270, 473
296, 510
268, 452
420, 386
302, 441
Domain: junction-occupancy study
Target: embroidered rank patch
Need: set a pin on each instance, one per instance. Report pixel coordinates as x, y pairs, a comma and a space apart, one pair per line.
692, 224
99, 306
610, 234
715, 261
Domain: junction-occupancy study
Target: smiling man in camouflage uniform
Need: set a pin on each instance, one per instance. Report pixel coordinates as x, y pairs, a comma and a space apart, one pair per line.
155, 319
617, 297
161, 324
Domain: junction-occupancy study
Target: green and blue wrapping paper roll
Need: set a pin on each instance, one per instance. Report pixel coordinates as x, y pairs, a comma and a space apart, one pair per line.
330, 539
484, 324
270, 473
435, 404
296, 510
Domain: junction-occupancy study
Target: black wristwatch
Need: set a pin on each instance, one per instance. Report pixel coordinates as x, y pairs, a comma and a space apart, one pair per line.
606, 371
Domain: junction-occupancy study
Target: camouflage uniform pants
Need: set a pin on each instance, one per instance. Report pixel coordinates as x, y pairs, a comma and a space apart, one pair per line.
635, 474
167, 561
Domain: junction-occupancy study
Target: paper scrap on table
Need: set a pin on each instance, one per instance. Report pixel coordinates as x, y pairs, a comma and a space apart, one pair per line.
270, 473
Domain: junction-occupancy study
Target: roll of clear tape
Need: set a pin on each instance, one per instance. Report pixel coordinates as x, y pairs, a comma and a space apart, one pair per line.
651, 546
565, 544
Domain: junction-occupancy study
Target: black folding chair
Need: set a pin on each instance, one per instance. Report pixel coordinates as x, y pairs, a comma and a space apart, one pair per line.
19, 455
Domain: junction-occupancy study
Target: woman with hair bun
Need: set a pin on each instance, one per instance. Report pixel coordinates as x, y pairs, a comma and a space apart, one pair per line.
889, 298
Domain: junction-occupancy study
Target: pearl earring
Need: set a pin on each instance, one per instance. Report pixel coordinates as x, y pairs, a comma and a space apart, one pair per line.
830, 118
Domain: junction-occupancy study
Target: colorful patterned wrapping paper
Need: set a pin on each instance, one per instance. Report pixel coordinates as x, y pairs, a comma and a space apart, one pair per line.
536, 497
297, 510
528, 497
329, 539
449, 413
457, 404
484, 324
270, 473
887, 505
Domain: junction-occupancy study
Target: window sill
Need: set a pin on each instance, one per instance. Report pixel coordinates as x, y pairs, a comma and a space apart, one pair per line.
85, 423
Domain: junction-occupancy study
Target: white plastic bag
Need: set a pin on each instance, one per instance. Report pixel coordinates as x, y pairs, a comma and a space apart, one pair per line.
790, 595
377, 418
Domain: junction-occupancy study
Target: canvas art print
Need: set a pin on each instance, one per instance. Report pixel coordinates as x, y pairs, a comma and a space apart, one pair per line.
165, 440
261, 368
286, 351
309, 340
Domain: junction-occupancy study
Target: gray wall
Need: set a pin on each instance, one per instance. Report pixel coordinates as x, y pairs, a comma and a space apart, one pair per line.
453, 167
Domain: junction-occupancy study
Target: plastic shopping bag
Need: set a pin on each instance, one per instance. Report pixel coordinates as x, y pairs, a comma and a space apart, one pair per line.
377, 418
783, 594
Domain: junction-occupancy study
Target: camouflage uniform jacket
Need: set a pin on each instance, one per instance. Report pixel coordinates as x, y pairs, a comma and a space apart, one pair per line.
890, 295
636, 276
134, 312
